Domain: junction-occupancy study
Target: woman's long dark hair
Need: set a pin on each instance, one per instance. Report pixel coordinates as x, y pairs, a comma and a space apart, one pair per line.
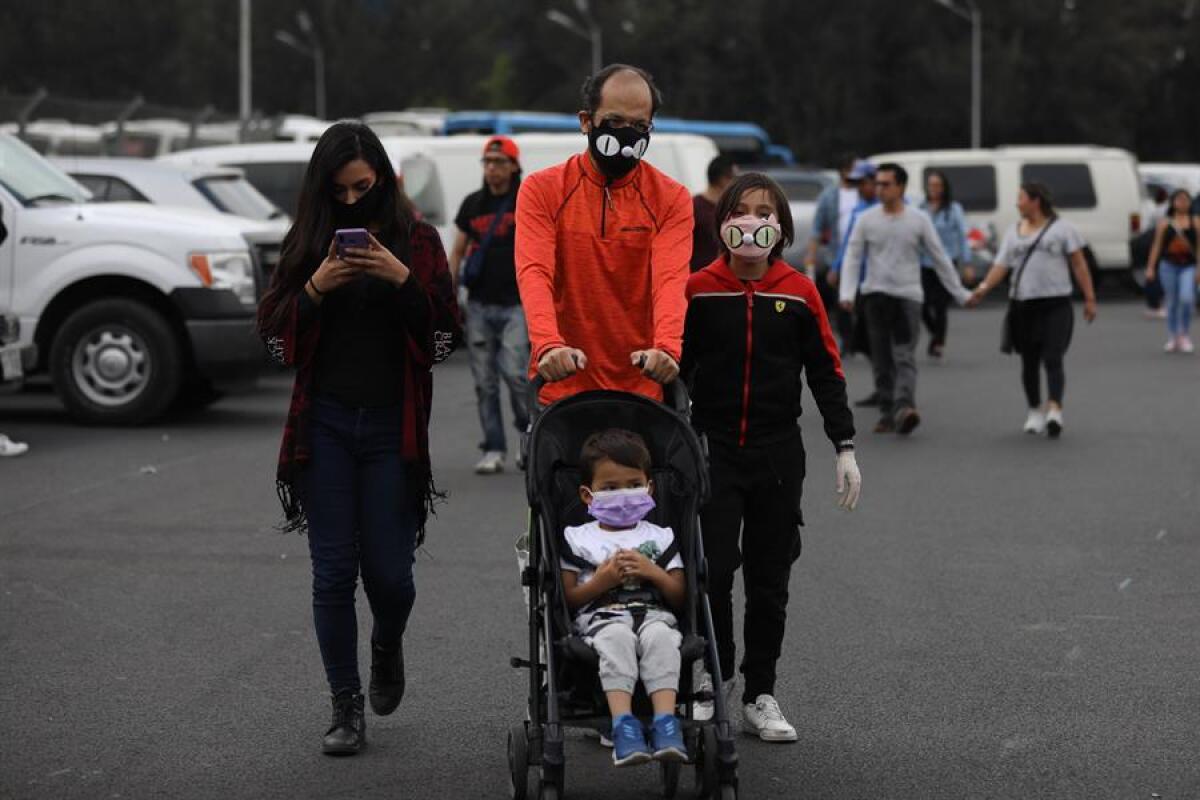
307, 242
947, 194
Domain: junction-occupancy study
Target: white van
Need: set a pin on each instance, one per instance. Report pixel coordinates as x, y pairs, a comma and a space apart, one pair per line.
440, 171
123, 304
1097, 189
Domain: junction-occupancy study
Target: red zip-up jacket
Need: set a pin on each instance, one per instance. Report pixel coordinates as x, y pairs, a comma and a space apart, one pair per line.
746, 345
602, 265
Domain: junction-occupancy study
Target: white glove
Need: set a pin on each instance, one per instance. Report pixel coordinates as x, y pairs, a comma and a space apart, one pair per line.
849, 480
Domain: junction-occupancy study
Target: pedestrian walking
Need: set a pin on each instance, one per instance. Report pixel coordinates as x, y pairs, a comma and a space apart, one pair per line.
832, 215
892, 236
850, 325
755, 325
481, 261
1043, 251
604, 241
362, 325
951, 226
721, 171
1172, 262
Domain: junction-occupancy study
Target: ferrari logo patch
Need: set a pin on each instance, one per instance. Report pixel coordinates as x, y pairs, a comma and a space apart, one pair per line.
780, 306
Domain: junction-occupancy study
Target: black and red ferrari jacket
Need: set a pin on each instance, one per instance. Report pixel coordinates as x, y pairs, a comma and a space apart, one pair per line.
746, 345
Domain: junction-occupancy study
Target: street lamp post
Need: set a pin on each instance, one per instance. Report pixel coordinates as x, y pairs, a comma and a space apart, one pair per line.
589, 31
314, 51
972, 14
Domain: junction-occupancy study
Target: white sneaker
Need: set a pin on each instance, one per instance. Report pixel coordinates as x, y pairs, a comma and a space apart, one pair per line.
1185, 345
704, 710
10, 448
1054, 422
764, 718
1035, 423
491, 463
1171, 346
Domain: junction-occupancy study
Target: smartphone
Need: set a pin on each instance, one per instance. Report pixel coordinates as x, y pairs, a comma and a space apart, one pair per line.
350, 237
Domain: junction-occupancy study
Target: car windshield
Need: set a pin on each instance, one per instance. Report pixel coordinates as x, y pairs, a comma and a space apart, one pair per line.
233, 194
32, 179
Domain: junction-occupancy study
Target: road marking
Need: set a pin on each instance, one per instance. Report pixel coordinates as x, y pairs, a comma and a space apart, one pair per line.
1123, 585
1162, 534
1074, 654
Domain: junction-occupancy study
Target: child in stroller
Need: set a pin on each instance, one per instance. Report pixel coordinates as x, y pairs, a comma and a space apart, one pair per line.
621, 599
565, 689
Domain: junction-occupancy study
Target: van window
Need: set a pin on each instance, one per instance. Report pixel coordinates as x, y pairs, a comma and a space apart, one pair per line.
1071, 184
280, 182
424, 188
972, 186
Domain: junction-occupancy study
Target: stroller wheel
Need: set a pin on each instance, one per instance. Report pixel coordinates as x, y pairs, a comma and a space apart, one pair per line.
706, 762
552, 785
548, 791
670, 776
518, 761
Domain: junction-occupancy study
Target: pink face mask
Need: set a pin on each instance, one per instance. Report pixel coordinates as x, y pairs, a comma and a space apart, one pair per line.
750, 237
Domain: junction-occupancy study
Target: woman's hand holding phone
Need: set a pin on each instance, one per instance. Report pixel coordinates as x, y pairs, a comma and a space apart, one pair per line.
333, 273
377, 260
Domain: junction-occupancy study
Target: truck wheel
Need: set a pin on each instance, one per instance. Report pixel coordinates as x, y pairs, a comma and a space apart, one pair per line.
116, 362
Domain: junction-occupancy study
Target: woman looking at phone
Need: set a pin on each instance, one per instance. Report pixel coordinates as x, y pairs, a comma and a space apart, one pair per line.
362, 326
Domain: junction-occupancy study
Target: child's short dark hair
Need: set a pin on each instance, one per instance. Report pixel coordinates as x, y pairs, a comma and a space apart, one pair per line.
617, 445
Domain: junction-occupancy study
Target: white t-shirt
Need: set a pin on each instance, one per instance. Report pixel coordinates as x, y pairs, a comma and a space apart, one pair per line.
593, 543
1048, 273
847, 200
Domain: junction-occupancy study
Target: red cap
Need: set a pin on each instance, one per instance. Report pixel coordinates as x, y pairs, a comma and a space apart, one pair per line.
505, 145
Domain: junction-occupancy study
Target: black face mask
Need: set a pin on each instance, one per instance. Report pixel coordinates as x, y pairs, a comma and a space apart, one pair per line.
616, 151
362, 212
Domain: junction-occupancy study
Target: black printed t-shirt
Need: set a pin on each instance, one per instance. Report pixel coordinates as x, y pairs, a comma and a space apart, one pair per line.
497, 284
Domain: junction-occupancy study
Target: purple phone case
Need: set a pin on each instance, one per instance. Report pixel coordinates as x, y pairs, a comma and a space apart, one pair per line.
350, 237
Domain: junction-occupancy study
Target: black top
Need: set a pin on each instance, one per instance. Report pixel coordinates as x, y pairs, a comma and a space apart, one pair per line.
497, 284
704, 232
362, 347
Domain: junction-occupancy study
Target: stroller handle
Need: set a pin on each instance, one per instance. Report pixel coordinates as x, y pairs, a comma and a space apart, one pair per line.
675, 395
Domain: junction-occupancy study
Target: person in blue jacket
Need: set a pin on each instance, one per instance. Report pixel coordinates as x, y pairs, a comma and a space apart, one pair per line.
951, 227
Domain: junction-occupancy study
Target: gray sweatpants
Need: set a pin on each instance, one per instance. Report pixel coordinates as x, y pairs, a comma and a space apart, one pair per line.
893, 327
651, 652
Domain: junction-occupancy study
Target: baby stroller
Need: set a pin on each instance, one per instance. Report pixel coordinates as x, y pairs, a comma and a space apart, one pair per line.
564, 686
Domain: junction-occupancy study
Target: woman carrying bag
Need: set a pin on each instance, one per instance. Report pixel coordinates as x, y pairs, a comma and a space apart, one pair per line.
1175, 245
362, 325
1044, 251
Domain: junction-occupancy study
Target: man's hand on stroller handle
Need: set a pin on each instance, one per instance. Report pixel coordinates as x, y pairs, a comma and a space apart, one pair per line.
560, 363
656, 365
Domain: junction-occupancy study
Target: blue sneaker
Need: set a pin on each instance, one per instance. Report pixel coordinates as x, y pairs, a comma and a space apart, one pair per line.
667, 738
629, 742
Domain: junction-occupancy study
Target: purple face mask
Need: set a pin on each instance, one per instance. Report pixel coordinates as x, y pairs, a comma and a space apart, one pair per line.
621, 508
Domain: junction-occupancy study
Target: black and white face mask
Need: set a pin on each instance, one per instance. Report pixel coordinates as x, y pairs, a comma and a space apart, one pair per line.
616, 151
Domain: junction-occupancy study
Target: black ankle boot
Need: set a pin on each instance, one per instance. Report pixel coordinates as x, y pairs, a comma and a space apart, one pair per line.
387, 678
347, 733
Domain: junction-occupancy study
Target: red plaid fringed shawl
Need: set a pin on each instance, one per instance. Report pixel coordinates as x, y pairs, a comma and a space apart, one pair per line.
293, 347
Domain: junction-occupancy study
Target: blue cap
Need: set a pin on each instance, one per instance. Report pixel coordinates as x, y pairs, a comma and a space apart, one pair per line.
861, 169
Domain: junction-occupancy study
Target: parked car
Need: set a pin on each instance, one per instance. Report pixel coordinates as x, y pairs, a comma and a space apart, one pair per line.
439, 171
127, 304
222, 190
59, 137
1097, 189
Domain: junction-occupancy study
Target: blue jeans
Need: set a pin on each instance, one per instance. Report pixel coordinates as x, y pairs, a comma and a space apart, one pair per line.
498, 344
1179, 288
360, 519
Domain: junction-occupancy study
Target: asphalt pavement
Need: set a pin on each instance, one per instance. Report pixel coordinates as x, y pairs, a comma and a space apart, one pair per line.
1004, 616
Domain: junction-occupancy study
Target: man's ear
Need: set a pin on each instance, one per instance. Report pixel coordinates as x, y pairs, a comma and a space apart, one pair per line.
585, 122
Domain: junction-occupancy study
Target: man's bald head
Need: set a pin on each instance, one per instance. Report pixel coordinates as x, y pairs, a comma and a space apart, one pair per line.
623, 85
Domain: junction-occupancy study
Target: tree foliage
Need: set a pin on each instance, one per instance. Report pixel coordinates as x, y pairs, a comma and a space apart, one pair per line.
823, 76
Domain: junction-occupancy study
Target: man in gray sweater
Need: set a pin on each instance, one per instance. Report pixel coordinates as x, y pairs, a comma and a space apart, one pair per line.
893, 236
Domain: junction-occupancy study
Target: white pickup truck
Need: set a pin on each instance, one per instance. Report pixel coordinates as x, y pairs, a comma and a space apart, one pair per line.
125, 305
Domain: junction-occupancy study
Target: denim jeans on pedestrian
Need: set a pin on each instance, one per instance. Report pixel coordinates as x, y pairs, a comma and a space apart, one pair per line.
362, 520
1179, 289
498, 345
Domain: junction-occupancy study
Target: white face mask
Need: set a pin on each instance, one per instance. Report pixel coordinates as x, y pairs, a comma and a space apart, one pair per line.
750, 237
